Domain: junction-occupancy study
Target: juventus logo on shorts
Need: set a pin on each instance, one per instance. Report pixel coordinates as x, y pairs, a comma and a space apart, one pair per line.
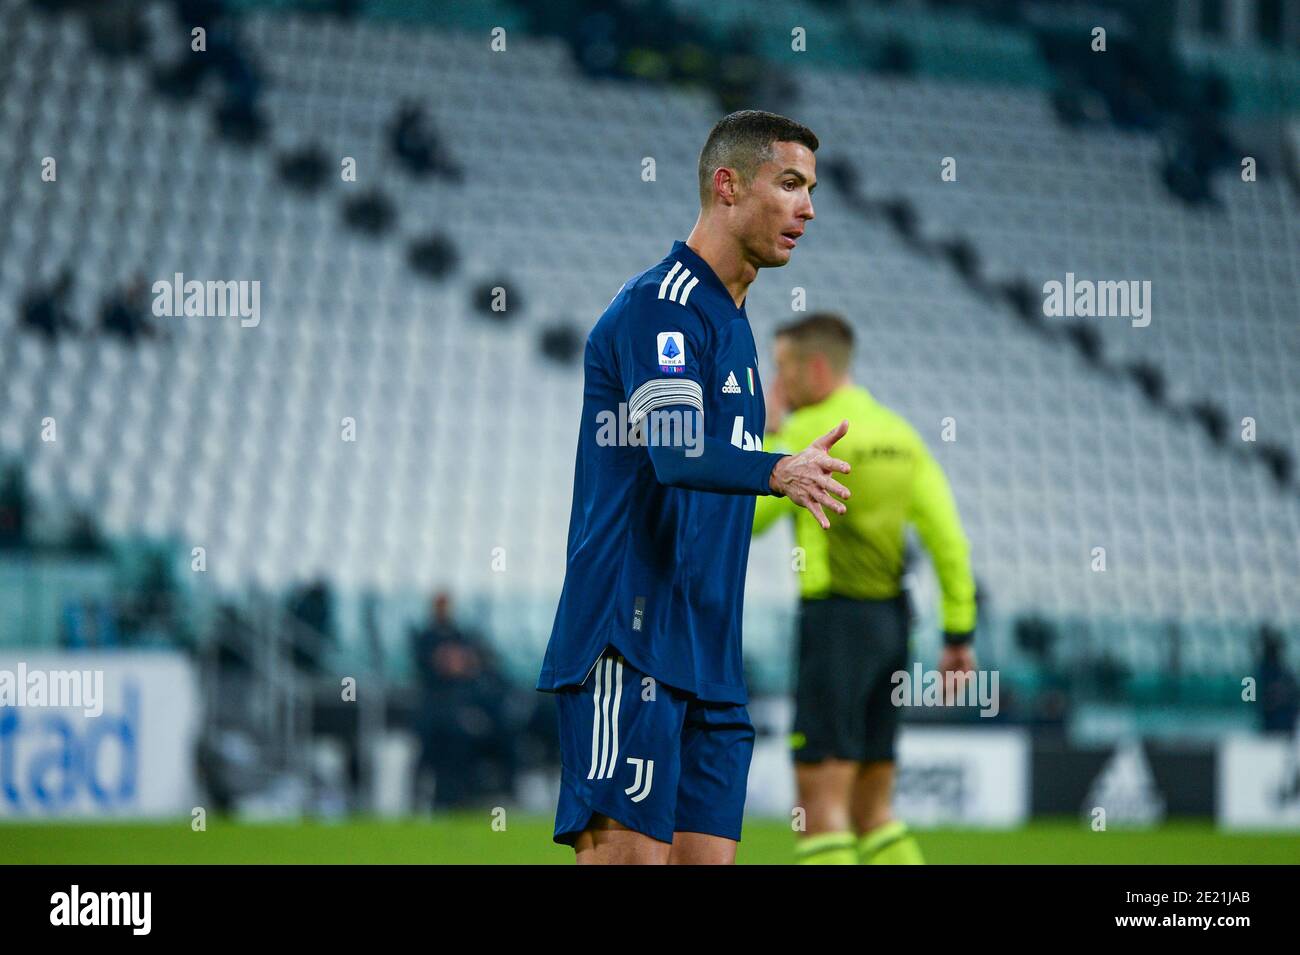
644, 767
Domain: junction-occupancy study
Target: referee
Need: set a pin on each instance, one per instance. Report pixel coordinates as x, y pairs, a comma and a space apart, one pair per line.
853, 620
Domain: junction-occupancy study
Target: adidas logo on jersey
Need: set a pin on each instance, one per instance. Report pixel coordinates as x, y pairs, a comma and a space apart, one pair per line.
678, 284
732, 387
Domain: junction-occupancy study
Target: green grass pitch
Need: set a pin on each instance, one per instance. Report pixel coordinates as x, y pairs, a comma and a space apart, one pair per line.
470, 838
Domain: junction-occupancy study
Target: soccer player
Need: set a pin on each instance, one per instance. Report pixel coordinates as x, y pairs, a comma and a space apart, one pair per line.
645, 654
853, 621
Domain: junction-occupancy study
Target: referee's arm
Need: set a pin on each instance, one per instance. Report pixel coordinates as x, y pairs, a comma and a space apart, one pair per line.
934, 514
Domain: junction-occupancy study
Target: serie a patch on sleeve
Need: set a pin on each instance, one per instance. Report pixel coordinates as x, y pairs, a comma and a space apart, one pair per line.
672, 352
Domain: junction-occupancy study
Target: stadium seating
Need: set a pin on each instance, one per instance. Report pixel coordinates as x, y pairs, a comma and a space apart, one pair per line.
231, 437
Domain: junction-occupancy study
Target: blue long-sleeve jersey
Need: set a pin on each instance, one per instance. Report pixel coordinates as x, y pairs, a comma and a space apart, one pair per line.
670, 457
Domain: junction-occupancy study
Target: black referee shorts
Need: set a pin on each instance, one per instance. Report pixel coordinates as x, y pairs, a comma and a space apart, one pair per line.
848, 651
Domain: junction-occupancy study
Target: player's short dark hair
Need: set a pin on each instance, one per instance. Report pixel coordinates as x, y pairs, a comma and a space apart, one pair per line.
826, 333
743, 141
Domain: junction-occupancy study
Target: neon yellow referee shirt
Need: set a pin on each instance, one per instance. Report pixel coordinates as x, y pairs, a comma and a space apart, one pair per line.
895, 481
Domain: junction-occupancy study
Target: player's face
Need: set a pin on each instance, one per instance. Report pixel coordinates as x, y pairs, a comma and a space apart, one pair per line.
778, 204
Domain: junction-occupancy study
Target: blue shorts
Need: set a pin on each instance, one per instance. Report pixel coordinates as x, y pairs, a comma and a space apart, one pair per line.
648, 756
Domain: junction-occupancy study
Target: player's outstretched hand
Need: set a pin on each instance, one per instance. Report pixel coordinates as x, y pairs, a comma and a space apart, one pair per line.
806, 477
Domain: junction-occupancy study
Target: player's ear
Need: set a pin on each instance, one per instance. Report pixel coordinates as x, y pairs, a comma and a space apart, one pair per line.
726, 181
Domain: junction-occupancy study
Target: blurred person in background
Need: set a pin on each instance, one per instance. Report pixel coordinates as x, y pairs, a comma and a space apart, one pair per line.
1279, 693
151, 615
312, 606
15, 503
462, 716
439, 627
853, 620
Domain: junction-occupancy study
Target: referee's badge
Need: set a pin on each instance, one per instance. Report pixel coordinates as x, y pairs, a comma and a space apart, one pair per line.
750, 373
